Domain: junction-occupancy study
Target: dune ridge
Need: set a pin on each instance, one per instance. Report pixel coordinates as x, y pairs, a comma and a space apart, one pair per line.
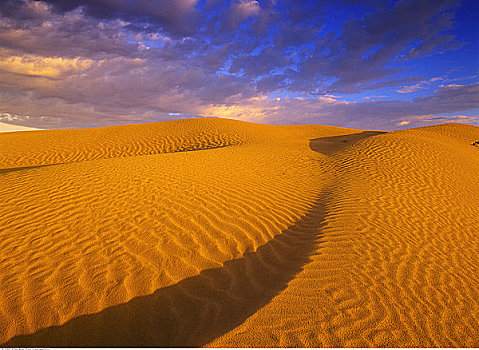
66, 146
290, 236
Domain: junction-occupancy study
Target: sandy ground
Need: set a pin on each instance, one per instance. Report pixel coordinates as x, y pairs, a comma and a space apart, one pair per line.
215, 232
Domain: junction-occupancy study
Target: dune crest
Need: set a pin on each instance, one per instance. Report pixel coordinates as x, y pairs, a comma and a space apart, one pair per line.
224, 233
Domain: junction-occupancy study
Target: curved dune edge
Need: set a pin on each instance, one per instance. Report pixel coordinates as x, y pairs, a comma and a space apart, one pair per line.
294, 236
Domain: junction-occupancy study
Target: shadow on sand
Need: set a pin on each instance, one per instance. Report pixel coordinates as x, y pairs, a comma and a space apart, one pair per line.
196, 310
9, 170
199, 309
334, 144
187, 149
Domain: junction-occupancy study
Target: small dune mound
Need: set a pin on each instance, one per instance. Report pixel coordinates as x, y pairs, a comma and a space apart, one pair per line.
28, 149
67, 146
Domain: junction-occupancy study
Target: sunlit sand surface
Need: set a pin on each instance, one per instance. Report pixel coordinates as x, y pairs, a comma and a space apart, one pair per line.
215, 232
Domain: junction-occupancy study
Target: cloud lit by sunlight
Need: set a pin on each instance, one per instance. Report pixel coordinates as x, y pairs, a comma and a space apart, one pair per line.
50, 67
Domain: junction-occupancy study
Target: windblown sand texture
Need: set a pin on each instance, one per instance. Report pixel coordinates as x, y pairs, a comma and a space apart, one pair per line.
215, 232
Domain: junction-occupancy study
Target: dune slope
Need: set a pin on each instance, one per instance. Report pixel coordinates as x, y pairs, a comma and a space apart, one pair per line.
398, 264
224, 233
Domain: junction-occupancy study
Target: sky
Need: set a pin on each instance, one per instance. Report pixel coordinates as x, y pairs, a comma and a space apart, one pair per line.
371, 64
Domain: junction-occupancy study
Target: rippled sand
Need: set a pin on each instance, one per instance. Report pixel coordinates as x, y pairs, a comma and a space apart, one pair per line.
215, 232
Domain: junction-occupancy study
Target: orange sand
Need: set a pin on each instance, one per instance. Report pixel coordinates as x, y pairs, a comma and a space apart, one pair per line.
214, 232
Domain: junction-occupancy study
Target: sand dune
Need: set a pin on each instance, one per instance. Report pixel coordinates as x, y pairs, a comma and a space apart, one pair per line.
214, 232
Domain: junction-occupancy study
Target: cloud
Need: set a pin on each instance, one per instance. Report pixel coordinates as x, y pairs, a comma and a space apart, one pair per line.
373, 97
359, 56
49, 67
370, 114
84, 63
176, 17
298, 49
88, 104
423, 120
419, 86
411, 88
241, 10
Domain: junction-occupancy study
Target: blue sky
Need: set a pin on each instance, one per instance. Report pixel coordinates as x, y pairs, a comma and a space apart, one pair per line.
365, 64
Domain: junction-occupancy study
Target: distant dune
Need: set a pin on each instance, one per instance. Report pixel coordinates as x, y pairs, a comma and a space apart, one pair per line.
4, 127
221, 233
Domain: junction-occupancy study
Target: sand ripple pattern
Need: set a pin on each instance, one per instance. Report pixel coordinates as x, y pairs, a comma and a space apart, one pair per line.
197, 309
67, 146
291, 236
87, 234
397, 265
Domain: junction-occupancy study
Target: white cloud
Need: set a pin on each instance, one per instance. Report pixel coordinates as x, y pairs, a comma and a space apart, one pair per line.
419, 86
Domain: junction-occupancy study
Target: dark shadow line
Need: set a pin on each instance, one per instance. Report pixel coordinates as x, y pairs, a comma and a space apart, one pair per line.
199, 309
334, 144
8, 170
